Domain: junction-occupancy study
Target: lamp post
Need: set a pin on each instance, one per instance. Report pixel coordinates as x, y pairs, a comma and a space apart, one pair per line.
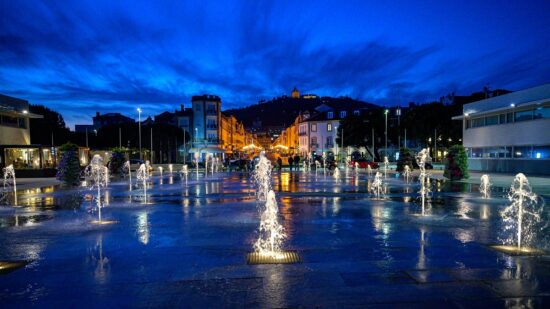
386, 132
139, 126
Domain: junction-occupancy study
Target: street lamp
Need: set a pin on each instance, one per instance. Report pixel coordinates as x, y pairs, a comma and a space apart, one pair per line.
139, 126
386, 132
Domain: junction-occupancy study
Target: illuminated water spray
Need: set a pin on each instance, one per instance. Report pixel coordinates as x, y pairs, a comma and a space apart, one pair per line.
422, 158
143, 175
97, 177
10, 181
170, 169
485, 186
184, 173
522, 217
407, 173
317, 166
127, 169
386, 162
377, 186
271, 232
196, 161
161, 169
325, 164
369, 169
336, 174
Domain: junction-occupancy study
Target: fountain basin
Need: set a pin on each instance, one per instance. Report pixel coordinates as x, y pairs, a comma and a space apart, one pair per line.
103, 222
514, 250
283, 257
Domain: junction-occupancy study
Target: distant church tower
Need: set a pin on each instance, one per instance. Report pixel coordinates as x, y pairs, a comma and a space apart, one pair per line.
295, 93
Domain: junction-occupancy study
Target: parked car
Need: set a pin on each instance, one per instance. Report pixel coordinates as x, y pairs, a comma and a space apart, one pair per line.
363, 163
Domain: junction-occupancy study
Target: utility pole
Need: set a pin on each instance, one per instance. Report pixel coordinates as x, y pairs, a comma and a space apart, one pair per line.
119, 137
373, 144
405, 137
184, 147
139, 125
342, 144
386, 133
151, 144
86, 137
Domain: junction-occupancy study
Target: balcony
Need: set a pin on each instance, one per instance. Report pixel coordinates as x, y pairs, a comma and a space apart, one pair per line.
302, 133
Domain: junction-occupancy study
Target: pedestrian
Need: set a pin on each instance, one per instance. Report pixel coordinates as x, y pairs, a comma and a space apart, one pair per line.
290, 162
280, 163
297, 162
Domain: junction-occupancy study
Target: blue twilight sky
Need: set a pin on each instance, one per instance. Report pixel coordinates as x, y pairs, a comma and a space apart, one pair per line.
81, 56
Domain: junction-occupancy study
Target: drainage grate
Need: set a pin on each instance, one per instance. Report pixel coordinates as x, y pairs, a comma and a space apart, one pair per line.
286, 257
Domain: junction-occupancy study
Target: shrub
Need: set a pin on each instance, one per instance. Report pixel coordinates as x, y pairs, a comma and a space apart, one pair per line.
68, 169
456, 165
116, 163
405, 158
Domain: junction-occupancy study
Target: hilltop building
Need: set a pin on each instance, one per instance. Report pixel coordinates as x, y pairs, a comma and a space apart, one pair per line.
295, 93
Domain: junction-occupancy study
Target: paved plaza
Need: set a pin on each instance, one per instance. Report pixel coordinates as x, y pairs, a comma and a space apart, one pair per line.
186, 245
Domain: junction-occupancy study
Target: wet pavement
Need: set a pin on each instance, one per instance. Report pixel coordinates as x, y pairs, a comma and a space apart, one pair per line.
186, 246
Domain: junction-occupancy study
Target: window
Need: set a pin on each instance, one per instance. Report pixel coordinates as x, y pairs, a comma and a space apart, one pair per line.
313, 127
330, 115
343, 114
478, 122
468, 124
22, 158
502, 118
329, 142
314, 140
541, 152
356, 112
542, 113
477, 152
198, 107
522, 151
491, 120
329, 127
509, 117
523, 115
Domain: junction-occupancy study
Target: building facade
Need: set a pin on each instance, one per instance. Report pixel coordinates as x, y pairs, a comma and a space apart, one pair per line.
509, 133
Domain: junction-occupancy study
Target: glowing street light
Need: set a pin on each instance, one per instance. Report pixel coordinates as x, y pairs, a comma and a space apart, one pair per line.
386, 132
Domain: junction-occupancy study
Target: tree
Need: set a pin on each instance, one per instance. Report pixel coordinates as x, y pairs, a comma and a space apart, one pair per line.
50, 127
456, 165
68, 170
116, 163
405, 158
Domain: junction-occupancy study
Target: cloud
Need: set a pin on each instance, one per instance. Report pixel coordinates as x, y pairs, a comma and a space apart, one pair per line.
79, 57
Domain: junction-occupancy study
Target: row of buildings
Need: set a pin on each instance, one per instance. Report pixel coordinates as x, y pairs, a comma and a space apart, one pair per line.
211, 131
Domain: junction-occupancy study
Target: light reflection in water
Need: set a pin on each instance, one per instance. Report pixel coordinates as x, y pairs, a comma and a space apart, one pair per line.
100, 262
464, 235
421, 253
485, 212
379, 216
142, 227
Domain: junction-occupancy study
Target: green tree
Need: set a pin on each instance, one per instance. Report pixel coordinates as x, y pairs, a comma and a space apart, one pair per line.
116, 163
456, 165
68, 170
405, 158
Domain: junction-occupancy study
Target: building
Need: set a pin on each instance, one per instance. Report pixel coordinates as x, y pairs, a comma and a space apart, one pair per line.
110, 119
15, 137
509, 133
317, 131
295, 93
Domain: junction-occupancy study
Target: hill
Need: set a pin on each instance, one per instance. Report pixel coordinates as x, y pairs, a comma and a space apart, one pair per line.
281, 111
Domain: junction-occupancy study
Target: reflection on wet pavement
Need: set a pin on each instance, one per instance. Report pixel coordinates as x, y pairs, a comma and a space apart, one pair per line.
186, 245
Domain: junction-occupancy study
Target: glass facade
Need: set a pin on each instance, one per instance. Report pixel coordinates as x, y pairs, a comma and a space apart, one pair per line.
509, 152
22, 158
542, 112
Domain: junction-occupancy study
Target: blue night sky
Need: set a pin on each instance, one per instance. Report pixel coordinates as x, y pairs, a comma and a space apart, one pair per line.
112, 56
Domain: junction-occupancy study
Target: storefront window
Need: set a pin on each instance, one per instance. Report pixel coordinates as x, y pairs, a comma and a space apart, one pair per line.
542, 113
48, 158
477, 152
522, 152
491, 120
541, 152
22, 157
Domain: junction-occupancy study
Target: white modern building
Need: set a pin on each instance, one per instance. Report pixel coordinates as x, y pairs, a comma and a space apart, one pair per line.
509, 133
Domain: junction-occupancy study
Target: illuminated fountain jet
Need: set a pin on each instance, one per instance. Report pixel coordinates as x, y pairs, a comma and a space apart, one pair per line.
97, 177
522, 219
422, 158
485, 186
184, 172
9, 181
268, 246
